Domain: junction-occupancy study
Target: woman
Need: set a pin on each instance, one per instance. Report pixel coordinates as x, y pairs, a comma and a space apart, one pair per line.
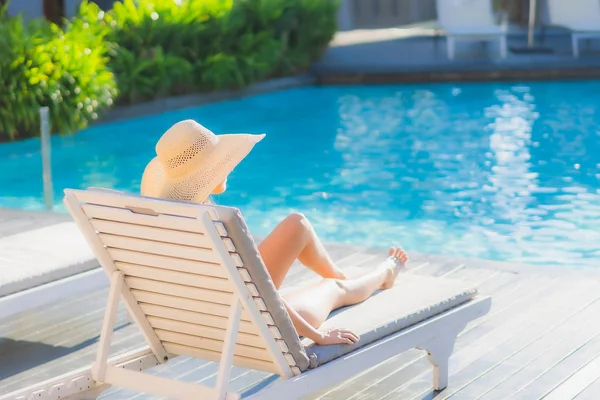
192, 163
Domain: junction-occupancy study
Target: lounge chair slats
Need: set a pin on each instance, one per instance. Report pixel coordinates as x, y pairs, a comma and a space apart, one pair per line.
159, 248
125, 215
195, 318
184, 278
203, 331
244, 362
151, 233
113, 198
190, 292
194, 282
167, 263
181, 303
203, 343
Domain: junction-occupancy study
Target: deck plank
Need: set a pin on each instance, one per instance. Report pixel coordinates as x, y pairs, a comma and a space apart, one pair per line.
414, 360
529, 340
577, 383
165, 370
125, 339
558, 373
590, 392
437, 268
16, 221
55, 313
20, 356
57, 333
523, 366
478, 339
529, 325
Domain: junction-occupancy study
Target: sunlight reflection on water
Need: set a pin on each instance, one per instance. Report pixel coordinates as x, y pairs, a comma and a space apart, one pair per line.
493, 170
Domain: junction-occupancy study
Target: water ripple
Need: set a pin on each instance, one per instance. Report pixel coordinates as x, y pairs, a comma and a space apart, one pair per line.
492, 170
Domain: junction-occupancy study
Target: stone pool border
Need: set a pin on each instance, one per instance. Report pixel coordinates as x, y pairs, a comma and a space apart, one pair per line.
334, 77
194, 100
337, 76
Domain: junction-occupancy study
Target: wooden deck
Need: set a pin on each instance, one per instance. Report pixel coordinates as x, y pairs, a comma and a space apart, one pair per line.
540, 340
17, 221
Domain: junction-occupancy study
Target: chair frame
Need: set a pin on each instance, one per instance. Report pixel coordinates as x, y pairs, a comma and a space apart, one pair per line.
576, 36
577, 30
104, 373
453, 35
452, 39
435, 335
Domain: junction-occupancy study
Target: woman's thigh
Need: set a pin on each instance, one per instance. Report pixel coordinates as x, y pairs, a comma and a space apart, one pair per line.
314, 302
281, 248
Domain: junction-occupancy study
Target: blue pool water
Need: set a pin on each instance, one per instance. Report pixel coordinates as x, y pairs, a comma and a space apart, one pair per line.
499, 171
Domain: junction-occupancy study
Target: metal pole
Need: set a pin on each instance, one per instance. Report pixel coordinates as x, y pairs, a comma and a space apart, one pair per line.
531, 25
46, 163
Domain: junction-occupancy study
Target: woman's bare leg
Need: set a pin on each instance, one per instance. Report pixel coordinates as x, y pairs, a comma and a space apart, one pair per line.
315, 302
294, 238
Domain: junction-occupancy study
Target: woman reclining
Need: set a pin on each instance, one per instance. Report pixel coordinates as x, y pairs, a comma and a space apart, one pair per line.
192, 163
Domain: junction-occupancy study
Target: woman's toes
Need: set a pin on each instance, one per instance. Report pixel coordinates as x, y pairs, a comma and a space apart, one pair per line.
404, 259
398, 263
400, 255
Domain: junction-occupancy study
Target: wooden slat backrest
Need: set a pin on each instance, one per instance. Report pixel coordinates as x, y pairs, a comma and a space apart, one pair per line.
182, 274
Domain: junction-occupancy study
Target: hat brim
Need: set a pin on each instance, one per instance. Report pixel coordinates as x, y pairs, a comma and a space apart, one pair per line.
205, 176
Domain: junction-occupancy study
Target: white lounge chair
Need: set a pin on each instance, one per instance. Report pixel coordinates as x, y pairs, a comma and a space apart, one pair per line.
470, 20
582, 17
194, 283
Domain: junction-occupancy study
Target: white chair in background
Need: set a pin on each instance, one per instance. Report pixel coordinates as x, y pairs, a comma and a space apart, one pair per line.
470, 20
582, 17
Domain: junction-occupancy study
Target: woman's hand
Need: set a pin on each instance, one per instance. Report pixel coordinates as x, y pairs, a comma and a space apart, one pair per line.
332, 336
337, 336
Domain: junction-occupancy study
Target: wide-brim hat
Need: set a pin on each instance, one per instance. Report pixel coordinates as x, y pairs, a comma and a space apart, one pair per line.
191, 161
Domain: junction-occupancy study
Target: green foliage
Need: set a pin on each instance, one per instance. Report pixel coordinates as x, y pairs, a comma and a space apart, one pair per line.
150, 49
44, 65
169, 47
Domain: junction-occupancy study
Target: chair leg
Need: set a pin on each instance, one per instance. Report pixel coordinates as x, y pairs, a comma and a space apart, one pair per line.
503, 46
114, 293
542, 34
450, 46
575, 44
228, 347
438, 351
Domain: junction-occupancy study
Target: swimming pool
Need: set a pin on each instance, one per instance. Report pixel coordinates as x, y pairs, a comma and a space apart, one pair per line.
500, 171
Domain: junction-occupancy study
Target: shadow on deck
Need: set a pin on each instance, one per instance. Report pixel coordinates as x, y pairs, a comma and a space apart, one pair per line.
541, 338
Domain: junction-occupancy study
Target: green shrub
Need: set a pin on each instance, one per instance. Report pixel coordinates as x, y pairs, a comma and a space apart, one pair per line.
168, 47
150, 49
44, 65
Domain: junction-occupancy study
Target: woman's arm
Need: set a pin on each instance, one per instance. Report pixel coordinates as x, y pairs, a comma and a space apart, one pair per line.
302, 327
333, 336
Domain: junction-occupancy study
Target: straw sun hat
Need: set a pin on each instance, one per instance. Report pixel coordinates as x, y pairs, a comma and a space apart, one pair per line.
191, 161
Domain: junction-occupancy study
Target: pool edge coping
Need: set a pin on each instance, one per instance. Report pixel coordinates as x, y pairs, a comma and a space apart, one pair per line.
173, 103
342, 76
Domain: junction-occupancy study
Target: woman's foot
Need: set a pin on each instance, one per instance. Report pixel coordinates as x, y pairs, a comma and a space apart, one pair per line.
394, 264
